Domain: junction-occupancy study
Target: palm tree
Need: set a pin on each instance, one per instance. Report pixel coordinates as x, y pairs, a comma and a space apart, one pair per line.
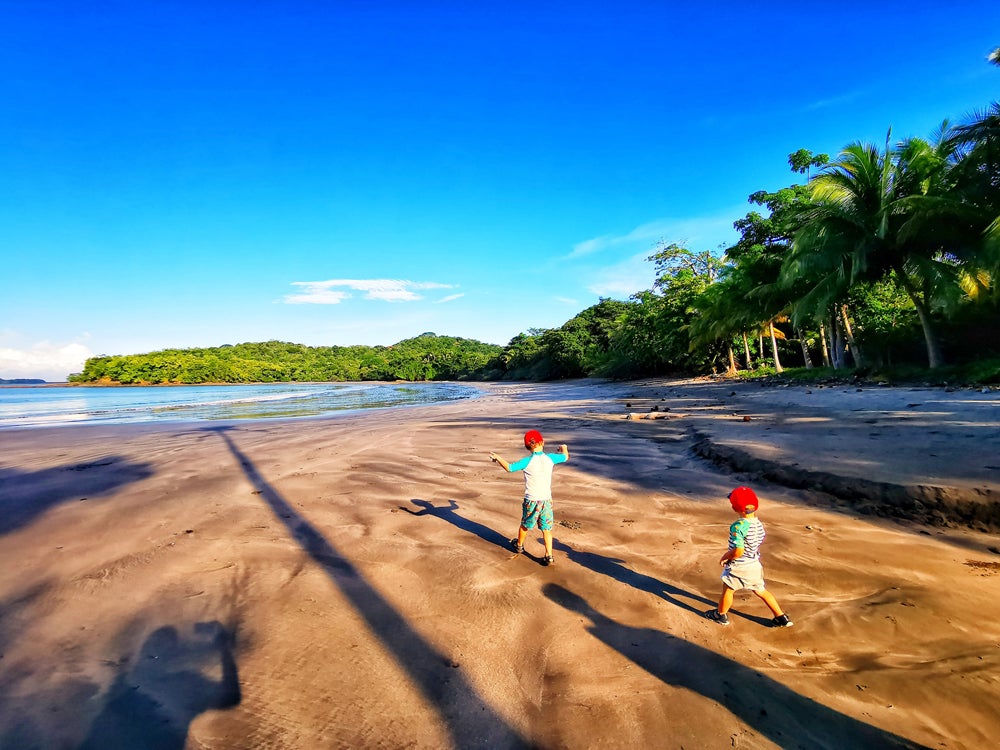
976, 144
857, 229
718, 317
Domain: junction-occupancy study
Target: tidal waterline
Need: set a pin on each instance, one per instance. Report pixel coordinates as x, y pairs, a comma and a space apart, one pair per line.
31, 406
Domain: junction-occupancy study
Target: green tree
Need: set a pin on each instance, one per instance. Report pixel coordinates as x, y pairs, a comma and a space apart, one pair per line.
856, 230
976, 174
749, 298
657, 331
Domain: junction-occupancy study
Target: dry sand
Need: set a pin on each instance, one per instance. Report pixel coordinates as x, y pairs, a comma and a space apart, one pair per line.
345, 582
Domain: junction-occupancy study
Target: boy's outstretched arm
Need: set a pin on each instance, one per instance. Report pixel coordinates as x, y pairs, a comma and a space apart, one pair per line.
496, 459
564, 450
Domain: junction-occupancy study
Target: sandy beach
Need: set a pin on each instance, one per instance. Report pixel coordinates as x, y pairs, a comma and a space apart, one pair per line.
346, 582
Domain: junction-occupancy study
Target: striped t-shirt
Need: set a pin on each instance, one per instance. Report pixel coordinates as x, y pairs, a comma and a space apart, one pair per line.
747, 533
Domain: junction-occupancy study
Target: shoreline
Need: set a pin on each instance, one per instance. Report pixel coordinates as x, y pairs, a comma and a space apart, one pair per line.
209, 404
345, 582
113, 384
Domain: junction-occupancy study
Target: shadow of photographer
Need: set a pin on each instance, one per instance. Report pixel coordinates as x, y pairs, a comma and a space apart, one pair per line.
152, 704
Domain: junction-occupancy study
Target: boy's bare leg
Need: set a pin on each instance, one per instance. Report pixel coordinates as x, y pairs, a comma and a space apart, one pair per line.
770, 601
547, 538
725, 599
521, 533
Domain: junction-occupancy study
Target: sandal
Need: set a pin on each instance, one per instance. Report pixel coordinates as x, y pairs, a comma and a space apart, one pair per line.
547, 560
515, 546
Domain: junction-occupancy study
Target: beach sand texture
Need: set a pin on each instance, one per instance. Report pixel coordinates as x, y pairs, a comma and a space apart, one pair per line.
346, 582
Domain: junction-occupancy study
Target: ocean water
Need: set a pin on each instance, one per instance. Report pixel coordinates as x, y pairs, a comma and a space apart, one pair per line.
31, 406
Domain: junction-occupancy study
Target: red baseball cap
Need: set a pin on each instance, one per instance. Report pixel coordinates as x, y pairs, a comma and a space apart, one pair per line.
532, 438
743, 499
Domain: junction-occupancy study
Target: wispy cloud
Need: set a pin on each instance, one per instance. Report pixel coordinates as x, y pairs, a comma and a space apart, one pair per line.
315, 295
835, 101
696, 232
449, 298
567, 301
643, 233
624, 279
44, 360
332, 291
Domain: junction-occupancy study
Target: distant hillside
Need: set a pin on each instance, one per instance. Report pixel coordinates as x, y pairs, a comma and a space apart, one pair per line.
425, 357
23, 381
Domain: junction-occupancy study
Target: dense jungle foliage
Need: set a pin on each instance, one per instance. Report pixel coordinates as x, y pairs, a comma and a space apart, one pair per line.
885, 257
426, 357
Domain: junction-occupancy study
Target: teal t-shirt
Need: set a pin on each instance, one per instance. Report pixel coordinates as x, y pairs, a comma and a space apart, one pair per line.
537, 468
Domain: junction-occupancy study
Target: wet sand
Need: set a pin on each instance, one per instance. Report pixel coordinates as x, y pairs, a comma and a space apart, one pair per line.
345, 582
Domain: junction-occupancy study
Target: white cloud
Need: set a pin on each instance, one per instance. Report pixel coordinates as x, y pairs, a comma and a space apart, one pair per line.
566, 301
45, 360
388, 290
587, 247
624, 279
835, 101
449, 298
644, 233
315, 296
696, 232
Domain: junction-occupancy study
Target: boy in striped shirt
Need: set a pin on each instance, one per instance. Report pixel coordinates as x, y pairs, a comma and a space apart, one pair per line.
741, 567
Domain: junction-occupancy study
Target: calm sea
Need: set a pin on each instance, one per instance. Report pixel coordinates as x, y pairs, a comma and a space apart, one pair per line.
30, 406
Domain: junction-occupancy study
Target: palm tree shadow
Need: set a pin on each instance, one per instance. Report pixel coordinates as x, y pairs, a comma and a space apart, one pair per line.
153, 704
29, 494
783, 716
469, 719
614, 568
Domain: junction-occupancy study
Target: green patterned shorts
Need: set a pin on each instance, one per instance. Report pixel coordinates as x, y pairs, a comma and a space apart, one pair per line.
536, 514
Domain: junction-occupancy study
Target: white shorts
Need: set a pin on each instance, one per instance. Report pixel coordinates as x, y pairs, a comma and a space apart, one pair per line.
746, 575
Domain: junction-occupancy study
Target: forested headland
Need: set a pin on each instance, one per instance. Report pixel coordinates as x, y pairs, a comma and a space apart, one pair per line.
884, 257
426, 357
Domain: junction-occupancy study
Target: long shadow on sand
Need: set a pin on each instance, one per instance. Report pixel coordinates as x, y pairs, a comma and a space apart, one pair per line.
152, 705
615, 568
28, 494
473, 527
783, 716
447, 513
470, 720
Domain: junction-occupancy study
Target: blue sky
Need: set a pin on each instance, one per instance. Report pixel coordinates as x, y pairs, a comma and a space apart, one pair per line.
180, 174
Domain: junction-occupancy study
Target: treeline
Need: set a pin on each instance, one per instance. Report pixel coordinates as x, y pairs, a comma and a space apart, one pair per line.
426, 357
884, 258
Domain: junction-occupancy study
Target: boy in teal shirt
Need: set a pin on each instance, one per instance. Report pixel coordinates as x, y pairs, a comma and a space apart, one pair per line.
536, 509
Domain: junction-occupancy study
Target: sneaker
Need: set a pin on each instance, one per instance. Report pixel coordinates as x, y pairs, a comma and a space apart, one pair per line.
716, 616
515, 546
781, 622
547, 560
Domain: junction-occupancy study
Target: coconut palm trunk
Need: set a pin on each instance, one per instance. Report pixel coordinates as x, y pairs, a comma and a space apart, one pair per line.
839, 344
805, 348
854, 348
774, 348
826, 349
931, 341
